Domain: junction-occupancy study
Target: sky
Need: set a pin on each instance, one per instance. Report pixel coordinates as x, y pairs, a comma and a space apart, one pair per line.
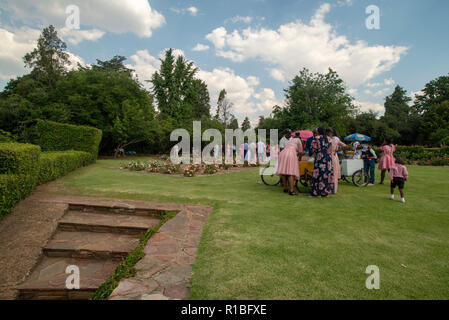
251, 48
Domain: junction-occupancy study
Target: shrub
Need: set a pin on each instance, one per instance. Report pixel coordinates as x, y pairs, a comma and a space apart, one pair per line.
211, 169
53, 136
53, 165
14, 188
420, 155
135, 165
23, 166
19, 158
6, 136
170, 169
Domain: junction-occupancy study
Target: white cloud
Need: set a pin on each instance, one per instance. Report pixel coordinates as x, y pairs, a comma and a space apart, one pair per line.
253, 81
15, 44
117, 16
239, 18
413, 94
244, 93
315, 45
370, 106
389, 82
277, 75
247, 98
193, 11
144, 65
75, 60
352, 91
77, 36
201, 47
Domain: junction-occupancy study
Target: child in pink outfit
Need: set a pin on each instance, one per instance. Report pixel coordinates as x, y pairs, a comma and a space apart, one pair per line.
398, 176
387, 159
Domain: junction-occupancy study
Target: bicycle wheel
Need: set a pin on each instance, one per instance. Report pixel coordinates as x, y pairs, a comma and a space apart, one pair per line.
304, 180
360, 178
345, 179
269, 177
303, 184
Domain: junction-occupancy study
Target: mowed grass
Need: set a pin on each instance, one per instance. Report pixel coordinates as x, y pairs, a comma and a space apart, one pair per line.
260, 243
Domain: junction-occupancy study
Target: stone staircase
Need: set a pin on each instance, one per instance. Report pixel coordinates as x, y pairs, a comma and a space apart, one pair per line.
95, 238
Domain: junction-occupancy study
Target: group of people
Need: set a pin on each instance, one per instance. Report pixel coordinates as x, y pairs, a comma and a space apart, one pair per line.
322, 148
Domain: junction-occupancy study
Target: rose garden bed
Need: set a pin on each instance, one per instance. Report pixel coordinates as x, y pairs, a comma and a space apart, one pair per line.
182, 170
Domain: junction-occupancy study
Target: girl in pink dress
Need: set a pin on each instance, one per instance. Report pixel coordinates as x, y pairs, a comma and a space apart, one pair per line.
387, 159
287, 165
336, 146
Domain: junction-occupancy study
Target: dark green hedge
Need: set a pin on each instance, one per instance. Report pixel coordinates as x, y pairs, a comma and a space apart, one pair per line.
19, 158
23, 166
53, 136
53, 165
14, 188
422, 156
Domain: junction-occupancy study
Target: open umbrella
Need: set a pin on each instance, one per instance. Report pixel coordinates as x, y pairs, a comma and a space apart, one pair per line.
303, 134
357, 137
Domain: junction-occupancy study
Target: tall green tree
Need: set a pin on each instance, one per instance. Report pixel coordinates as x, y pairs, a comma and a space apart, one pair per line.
315, 99
49, 60
115, 64
234, 124
398, 116
246, 124
171, 86
434, 92
198, 99
430, 108
224, 109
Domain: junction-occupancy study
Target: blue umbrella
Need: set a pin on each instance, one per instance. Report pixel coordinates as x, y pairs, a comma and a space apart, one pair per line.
357, 137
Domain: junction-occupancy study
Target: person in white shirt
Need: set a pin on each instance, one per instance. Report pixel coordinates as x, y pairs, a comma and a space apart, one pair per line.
261, 149
252, 158
286, 138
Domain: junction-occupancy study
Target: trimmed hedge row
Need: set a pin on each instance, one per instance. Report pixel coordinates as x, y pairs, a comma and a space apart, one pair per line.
53, 165
422, 156
23, 166
14, 188
54, 136
19, 166
18, 158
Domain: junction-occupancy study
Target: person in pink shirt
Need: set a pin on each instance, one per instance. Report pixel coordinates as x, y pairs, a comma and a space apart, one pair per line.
398, 175
387, 159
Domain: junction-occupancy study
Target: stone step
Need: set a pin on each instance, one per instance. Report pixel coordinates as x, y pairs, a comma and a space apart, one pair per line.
100, 222
90, 245
48, 280
120, 208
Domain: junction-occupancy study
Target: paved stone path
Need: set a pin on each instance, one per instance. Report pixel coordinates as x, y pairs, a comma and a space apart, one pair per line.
164, 272
95, 244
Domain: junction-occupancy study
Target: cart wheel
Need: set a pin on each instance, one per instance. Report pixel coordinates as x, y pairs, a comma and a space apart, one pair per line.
302, 185
269, 176
360, 178
304, 180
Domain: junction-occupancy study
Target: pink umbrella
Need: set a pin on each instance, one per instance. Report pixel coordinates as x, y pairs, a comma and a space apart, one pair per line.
303, 134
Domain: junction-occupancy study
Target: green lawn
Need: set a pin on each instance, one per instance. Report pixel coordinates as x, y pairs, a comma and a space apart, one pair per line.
260, 243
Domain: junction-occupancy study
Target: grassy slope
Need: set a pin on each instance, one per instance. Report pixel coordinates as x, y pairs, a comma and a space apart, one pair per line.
260, 243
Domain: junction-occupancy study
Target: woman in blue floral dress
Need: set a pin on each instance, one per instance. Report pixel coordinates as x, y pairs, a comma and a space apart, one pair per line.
323, 173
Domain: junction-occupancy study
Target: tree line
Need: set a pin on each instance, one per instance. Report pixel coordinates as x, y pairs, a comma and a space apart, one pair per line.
108, 95
315, 99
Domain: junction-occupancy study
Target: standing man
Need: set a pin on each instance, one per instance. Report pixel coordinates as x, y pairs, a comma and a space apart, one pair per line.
369, 161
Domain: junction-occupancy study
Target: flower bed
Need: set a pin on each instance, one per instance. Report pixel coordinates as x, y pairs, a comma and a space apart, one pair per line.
186, 170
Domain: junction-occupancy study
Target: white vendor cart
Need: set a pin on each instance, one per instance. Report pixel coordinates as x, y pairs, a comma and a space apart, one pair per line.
353, 170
